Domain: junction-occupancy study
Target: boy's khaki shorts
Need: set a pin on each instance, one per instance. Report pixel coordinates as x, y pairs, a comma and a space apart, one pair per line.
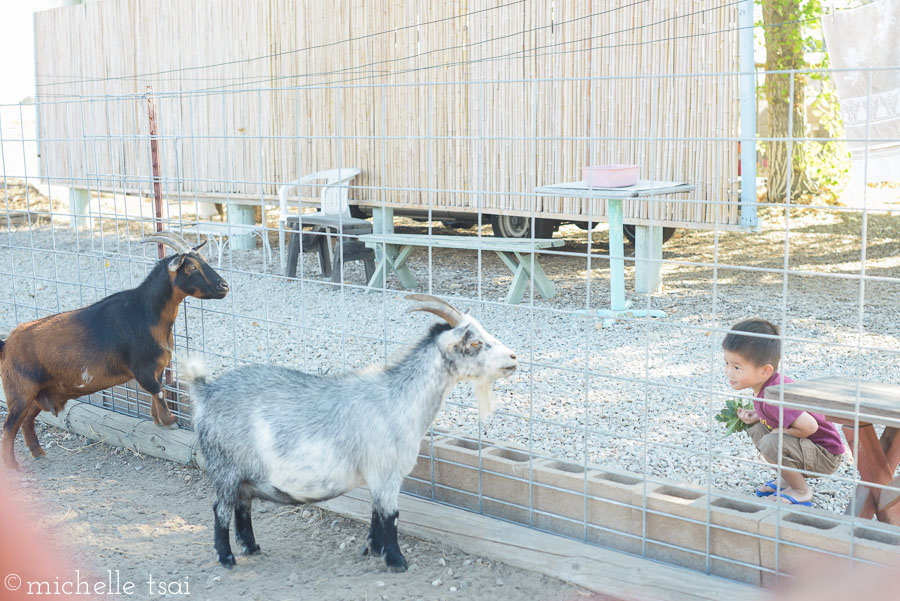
797, 453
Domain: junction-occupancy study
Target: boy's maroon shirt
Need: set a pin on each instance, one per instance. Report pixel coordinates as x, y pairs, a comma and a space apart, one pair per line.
826, 436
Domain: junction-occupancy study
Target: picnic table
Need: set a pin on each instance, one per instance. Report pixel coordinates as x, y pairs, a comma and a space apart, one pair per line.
648, 243
518, 255
858, 409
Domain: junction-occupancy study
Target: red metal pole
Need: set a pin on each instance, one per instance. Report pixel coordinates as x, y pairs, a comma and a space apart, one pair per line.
154, 163
157, 211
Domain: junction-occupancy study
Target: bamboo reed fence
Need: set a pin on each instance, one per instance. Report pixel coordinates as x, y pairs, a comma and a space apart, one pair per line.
467, 105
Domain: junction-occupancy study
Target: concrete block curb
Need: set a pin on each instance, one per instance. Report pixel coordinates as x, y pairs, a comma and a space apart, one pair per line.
615, 510
874, 543
725, 533
677, 515
558, 497
734, 535
803, 537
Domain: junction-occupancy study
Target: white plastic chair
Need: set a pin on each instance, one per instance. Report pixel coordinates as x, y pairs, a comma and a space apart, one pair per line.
334, 198
219, 235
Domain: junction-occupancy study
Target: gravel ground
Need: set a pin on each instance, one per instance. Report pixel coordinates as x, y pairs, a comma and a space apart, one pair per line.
637, 395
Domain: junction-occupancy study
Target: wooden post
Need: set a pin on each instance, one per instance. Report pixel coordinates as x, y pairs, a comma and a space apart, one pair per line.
616, 255
648, 258
382, 223
79, 201
243, 215
891, 496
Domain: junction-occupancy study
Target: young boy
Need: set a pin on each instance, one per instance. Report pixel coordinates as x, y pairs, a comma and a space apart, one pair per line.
811, 445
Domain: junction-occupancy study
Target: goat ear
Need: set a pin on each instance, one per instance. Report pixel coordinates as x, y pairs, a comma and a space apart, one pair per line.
463, 336
453, 338
199, 246
176, 262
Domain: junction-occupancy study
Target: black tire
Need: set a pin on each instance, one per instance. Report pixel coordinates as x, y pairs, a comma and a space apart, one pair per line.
512, 226
457, 225
357, 213
628, 230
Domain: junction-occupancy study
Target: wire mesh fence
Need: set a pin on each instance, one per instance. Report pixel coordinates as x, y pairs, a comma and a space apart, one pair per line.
606, 433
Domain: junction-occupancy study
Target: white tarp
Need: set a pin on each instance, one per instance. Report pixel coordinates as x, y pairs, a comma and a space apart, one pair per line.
859, 39
642, 186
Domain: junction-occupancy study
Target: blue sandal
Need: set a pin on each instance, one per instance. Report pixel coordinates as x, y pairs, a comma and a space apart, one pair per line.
770, 484
795, 501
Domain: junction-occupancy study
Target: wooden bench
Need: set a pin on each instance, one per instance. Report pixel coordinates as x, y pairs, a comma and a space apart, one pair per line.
515, 254
876, 459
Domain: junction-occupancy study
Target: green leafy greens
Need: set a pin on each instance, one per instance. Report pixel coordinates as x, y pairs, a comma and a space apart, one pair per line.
729, 416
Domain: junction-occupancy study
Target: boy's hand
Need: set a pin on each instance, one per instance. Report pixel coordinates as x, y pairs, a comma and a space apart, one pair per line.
748, 416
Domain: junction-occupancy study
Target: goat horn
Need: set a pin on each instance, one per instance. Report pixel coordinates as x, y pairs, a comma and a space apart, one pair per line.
439, 307
173, 240
427, 298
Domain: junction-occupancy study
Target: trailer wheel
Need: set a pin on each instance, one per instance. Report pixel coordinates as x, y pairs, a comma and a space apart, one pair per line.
629, 231
514, 226
457, 224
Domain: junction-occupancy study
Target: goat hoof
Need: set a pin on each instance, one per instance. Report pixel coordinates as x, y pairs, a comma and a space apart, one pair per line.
172, 426
10, 462
227, 561
251, 550
369, 548
364, 551
38, 452
396, 563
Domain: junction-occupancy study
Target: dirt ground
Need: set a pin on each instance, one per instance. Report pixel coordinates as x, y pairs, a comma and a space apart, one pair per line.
151, 518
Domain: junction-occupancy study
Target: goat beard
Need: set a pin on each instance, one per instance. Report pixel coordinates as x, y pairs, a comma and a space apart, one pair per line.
482, 389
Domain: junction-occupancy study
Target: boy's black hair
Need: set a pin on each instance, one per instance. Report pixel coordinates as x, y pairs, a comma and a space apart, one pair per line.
759, 351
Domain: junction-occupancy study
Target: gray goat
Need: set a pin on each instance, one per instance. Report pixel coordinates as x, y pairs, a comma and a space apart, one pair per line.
292, 437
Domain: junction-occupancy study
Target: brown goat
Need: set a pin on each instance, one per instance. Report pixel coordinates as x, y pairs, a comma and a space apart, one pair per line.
46, 362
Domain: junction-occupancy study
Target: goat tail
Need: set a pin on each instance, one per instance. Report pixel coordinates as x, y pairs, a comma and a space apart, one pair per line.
193, 369
2, 344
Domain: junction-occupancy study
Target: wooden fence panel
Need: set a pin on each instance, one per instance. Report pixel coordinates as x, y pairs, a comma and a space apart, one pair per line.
467, 105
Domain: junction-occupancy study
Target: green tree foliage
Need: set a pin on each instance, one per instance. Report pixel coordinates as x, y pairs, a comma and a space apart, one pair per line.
792, 30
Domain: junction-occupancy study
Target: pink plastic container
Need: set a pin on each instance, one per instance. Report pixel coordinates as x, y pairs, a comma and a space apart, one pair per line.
610, 176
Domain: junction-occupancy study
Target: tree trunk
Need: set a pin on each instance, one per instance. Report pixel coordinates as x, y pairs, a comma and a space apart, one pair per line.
784, 50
